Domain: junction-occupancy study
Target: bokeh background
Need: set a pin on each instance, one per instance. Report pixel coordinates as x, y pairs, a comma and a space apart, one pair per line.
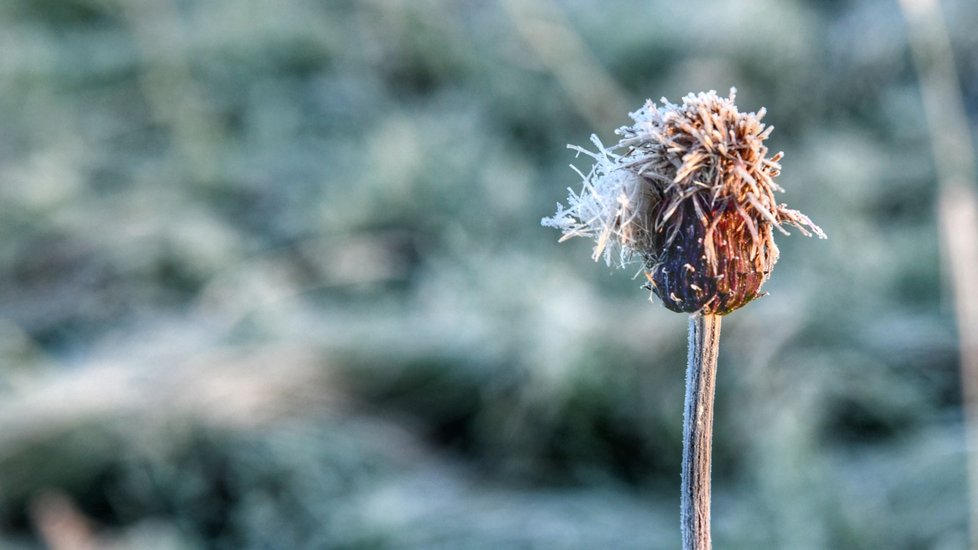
272, 276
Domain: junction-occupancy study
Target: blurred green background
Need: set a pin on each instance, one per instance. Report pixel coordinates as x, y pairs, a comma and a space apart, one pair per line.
273, 277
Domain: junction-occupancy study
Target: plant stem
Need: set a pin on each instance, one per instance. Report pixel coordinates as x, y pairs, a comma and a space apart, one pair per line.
701, 369
957, 171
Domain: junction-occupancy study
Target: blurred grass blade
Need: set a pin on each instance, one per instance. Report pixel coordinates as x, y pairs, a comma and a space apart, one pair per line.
954, 161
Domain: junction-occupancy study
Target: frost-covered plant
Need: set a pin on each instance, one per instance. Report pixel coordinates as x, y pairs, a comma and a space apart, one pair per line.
689, 191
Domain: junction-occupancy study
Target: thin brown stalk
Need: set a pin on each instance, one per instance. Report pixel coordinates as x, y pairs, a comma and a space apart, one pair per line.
958, 209
953, 150
704, 343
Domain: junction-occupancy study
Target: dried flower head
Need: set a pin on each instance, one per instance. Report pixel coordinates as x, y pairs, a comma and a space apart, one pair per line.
689, 189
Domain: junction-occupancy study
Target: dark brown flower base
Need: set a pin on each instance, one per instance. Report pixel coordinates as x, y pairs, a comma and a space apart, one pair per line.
683, 278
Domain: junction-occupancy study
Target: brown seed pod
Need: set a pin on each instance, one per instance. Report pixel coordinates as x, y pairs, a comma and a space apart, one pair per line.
689, 189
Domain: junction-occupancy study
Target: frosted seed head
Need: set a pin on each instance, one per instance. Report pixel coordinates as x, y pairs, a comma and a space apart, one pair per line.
688, 190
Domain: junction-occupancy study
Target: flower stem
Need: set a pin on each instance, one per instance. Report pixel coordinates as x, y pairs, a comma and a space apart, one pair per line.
704, 341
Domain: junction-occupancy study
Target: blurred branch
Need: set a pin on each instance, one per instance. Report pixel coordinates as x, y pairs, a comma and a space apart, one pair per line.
954, 160
61, 524
940, 89
593, 91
